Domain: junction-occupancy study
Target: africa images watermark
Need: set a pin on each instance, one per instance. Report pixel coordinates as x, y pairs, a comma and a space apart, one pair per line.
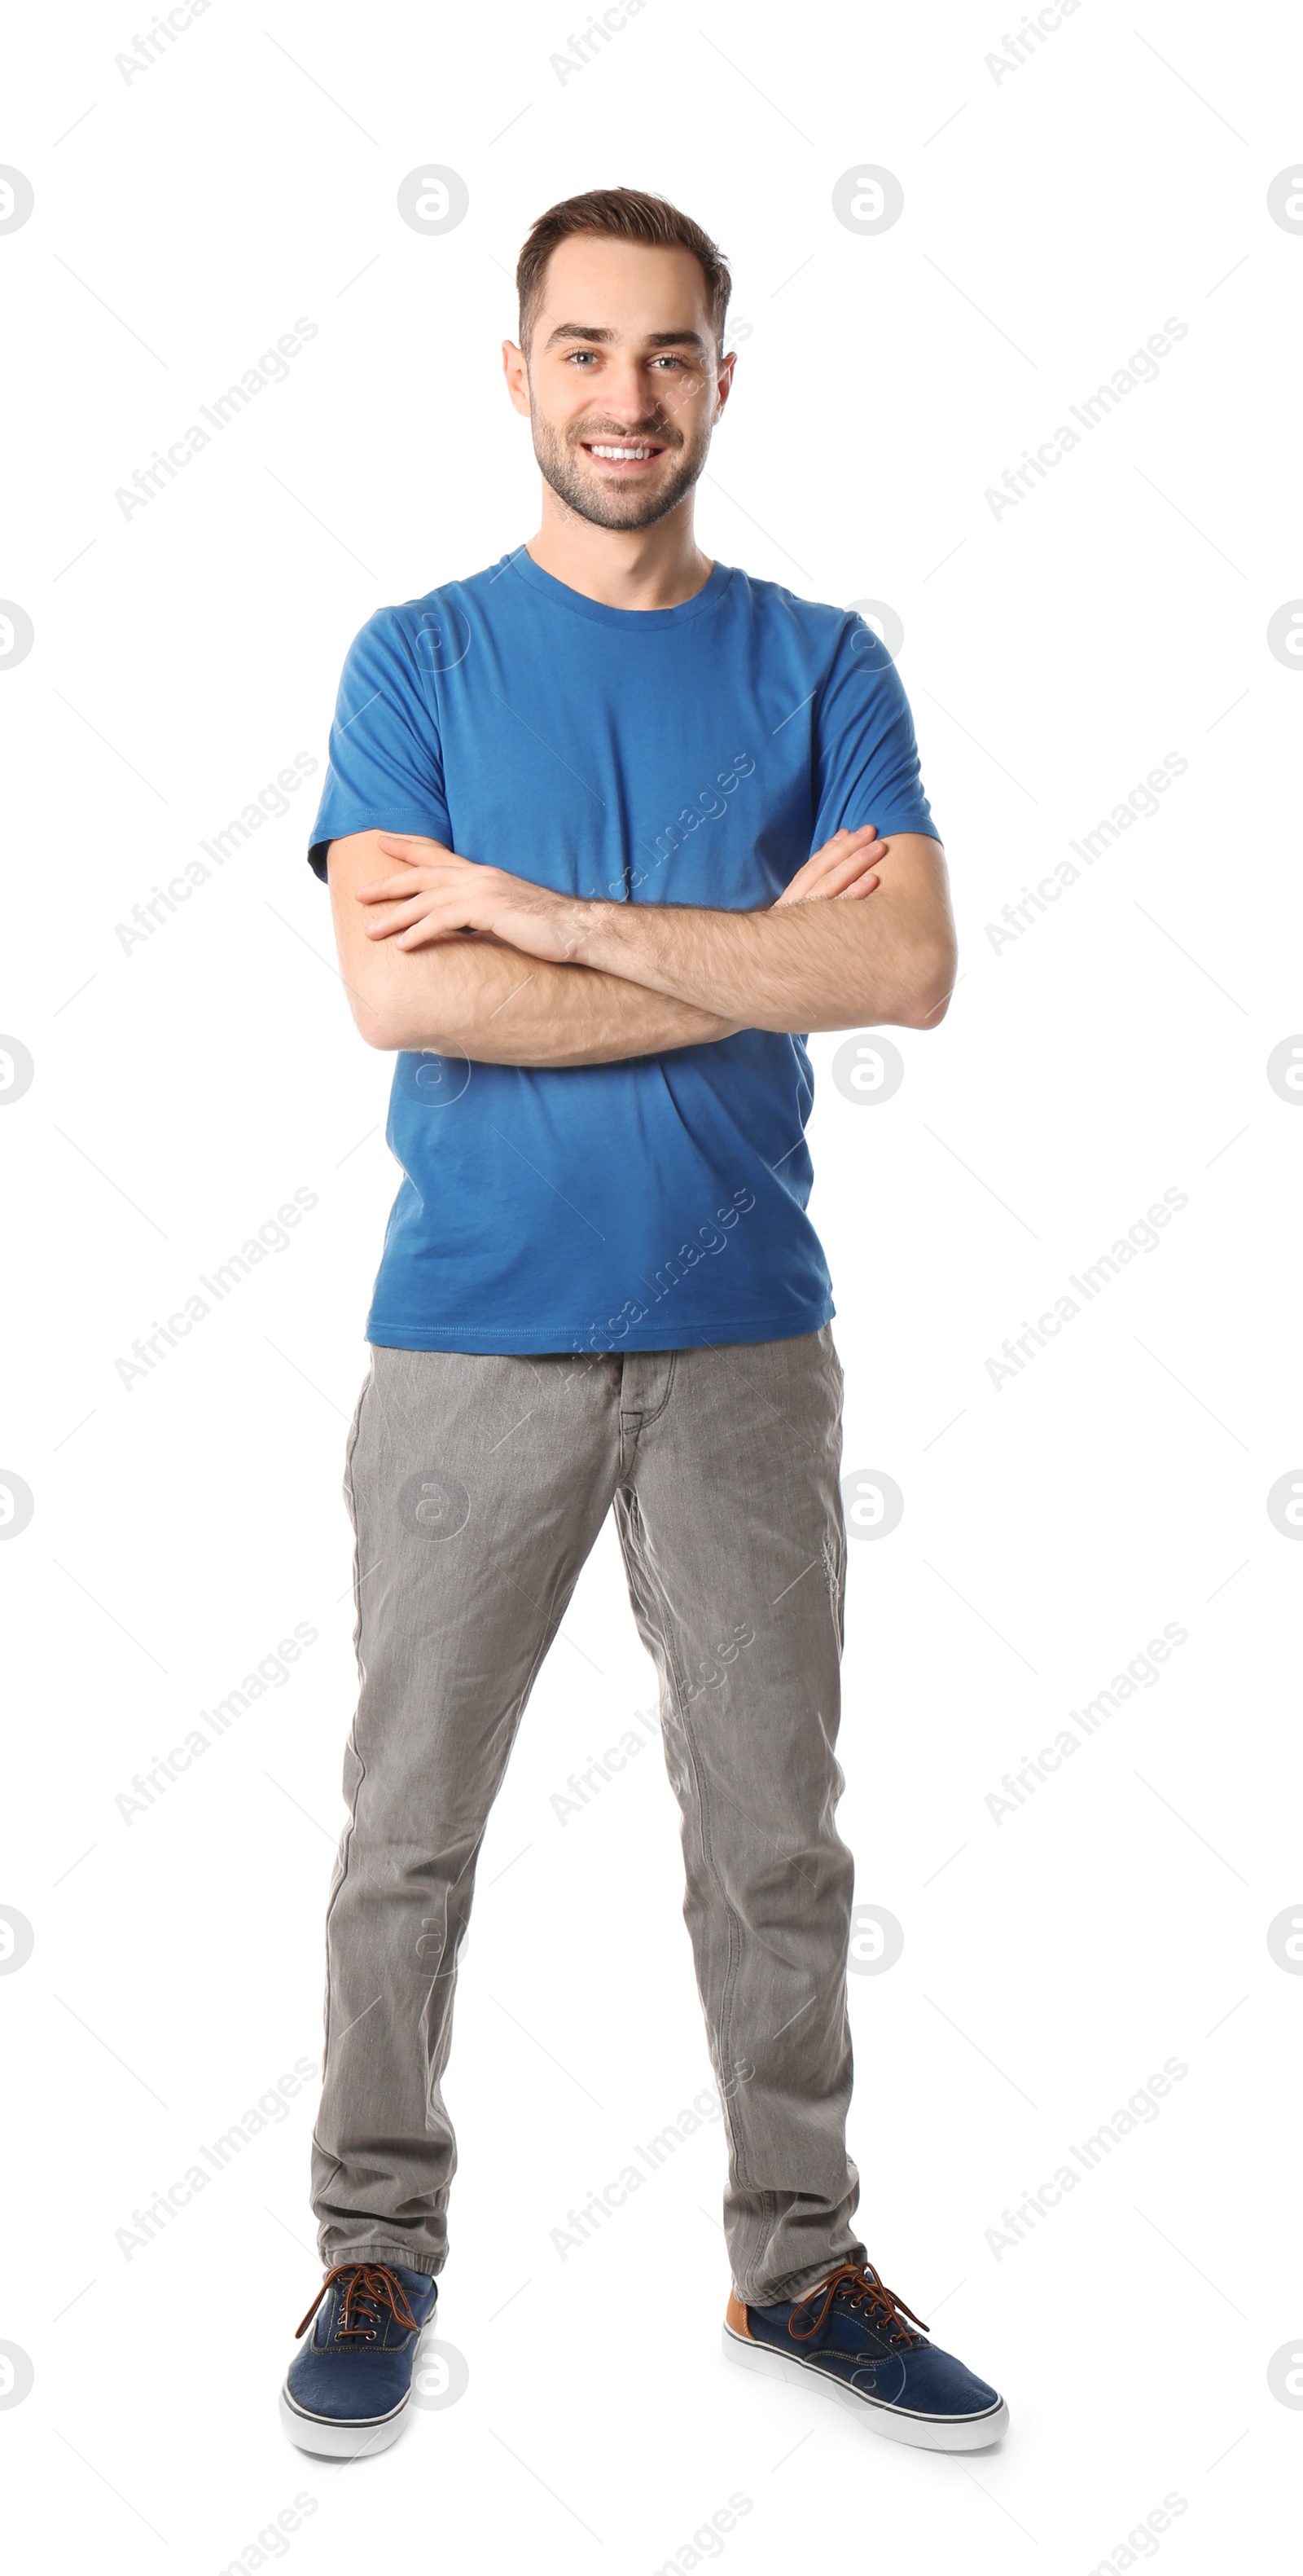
1142, 2541
709, 805
712, 1237
1140, 2109
1142, 1673
1021, 47
271, 802
152, 46
1090, 1282
1141, 369
600, 1769
1139, 804
707, 2540
273, 1672
273, 2539
272, 368
272, 1236
602, 2205
271, 2108
589, 42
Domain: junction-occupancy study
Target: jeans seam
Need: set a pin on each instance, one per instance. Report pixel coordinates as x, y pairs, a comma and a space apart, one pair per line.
835, 1571
703, 1809
648, 1418
633, 1422
471, 1863
346, 1845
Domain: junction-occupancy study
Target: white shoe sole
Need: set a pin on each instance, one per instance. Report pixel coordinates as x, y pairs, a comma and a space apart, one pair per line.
926, 2432
332, 2441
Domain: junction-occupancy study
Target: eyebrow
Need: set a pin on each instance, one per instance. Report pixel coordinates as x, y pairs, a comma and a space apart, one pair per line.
654, 340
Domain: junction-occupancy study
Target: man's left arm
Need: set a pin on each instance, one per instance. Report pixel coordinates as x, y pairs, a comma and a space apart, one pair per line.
799, 967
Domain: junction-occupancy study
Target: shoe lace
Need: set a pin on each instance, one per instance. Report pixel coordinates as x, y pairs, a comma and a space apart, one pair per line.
860, 2286
369, 2289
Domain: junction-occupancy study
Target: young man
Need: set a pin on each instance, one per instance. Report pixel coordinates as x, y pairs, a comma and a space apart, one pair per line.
567, 830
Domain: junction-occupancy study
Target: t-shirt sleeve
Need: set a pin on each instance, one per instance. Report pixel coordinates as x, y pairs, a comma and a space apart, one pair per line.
385, 771
866, 757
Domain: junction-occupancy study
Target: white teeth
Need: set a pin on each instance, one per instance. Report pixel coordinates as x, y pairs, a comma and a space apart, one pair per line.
621, 453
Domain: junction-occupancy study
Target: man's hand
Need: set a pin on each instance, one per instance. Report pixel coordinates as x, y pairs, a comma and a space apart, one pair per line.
846, 865
438, 895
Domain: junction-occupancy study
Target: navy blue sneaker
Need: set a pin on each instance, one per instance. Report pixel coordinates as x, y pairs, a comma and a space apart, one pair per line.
346, 2392
856, 2340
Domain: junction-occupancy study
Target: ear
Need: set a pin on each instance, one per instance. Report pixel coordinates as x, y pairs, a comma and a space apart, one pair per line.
725, 382
516, 371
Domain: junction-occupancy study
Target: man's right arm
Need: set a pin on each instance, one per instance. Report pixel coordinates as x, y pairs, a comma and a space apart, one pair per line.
475, 997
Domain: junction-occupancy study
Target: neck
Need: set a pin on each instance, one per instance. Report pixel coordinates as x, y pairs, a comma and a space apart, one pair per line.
656, 567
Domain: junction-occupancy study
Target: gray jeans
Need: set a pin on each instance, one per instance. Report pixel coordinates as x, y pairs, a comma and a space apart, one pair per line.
477, 1485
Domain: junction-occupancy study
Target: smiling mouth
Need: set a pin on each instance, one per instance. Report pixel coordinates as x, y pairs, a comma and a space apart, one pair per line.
623, 456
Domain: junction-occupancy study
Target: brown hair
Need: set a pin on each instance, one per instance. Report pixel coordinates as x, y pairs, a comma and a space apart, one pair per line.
618, 214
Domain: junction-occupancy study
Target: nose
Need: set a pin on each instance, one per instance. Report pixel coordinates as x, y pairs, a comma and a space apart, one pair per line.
626, 391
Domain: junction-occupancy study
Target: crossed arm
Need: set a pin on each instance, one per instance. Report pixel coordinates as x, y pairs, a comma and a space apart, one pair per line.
549, 979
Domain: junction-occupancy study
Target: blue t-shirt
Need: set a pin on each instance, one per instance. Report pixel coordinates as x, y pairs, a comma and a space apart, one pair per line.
689, 755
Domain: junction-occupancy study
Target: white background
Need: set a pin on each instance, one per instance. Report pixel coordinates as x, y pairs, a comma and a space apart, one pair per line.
1053, 219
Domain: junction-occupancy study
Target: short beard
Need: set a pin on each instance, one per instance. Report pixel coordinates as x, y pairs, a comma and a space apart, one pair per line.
613, 508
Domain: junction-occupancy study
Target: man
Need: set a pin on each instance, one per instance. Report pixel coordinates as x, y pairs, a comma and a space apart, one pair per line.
567, 830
